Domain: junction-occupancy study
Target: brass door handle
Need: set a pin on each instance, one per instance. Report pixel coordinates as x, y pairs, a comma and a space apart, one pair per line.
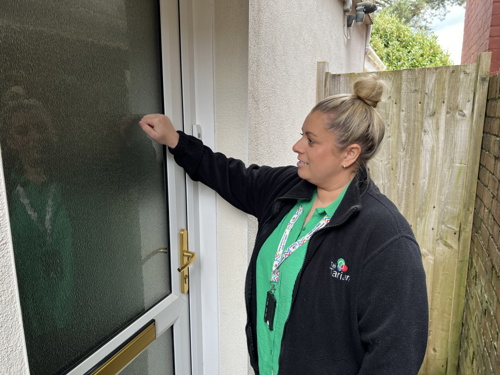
191, 258
187, 258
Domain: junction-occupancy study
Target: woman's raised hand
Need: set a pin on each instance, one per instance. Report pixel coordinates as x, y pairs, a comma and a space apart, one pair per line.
160, 128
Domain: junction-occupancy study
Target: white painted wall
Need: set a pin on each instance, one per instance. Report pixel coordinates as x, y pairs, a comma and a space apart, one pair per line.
14, 359
231, 137
287, 39
265, 84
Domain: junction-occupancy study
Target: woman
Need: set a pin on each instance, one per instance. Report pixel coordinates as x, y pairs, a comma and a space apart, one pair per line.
335, 284
41, 228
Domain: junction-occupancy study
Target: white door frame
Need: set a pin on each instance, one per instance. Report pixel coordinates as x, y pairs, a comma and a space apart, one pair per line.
196, 21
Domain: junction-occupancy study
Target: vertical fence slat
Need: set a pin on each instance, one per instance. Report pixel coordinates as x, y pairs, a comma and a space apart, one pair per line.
475, 132
321, 73
455, 92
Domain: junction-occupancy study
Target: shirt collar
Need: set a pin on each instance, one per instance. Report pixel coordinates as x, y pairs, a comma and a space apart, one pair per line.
332, 207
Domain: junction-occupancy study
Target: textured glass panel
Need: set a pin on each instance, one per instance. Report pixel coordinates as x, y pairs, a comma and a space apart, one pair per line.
85, 186
157, 359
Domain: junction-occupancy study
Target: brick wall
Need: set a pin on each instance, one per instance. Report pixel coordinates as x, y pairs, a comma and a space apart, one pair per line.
477, 25
494, 44
482, 32
479, 353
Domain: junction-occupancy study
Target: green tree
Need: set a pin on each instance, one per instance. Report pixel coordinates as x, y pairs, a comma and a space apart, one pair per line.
401, 47
418, 13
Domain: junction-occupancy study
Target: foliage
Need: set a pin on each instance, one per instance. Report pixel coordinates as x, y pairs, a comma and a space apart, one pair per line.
418, 13
401, 47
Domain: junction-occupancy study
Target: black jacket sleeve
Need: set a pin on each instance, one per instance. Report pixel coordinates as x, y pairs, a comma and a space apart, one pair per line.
393, 310
250, 189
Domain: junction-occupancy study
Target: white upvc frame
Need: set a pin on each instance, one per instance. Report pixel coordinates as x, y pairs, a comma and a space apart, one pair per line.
165, 315
196, 21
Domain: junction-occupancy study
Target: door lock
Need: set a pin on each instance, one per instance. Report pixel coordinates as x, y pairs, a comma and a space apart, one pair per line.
187, 258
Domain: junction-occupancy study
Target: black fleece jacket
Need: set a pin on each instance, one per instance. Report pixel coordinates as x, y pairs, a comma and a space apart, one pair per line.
371, 318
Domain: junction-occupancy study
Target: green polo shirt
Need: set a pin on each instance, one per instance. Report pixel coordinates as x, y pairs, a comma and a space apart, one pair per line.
44, 264
269, 342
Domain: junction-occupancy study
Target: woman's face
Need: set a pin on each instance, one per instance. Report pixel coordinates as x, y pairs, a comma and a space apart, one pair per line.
320, 160
30, 135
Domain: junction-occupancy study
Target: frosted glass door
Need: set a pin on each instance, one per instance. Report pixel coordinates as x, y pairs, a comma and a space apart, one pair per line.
86, 188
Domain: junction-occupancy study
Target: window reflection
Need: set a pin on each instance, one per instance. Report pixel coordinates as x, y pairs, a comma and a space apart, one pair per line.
41, 228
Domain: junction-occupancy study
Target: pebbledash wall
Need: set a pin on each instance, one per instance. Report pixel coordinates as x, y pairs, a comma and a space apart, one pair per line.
479, 353
13, 355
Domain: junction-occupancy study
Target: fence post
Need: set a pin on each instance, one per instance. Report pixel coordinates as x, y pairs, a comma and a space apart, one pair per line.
481, 94
322, 71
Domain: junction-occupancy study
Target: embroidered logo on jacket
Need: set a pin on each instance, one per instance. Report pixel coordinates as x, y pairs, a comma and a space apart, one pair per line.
339, 269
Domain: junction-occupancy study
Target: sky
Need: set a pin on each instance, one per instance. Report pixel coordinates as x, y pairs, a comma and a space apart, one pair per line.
450, 32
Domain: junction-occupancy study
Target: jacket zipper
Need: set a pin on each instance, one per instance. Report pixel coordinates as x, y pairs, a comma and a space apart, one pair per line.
299, 275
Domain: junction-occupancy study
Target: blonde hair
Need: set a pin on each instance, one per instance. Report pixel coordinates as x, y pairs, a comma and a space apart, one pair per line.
353, 117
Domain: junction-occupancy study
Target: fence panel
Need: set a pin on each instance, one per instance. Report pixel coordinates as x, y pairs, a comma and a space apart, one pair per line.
428, 166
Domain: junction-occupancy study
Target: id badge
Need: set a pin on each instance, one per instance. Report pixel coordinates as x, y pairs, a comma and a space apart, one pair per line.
270, 310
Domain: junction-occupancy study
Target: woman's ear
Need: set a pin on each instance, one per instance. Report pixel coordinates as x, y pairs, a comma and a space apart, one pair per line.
352, 153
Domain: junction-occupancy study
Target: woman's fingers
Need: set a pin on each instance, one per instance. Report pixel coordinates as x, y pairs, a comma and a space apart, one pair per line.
160, 128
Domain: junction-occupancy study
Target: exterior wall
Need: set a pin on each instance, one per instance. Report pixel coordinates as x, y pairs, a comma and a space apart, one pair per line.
482, 32
12, 347
480, 340
231, 137
287, 39
265, 77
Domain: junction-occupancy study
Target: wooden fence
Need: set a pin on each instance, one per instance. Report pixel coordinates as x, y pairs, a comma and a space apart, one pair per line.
428, 166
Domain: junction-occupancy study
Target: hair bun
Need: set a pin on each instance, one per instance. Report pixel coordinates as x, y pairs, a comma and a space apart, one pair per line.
370, 89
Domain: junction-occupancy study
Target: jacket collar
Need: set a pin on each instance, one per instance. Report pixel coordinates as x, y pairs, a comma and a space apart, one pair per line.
351, 203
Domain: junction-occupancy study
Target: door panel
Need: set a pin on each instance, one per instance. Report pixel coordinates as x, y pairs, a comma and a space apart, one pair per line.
86, 189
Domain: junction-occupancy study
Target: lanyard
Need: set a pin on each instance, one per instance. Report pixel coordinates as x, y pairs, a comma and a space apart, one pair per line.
47, 225
282, 254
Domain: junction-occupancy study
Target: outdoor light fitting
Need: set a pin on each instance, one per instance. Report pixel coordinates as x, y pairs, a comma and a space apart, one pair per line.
362, 9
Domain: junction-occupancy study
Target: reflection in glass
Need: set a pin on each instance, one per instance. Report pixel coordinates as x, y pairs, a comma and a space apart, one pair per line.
41, 229
85, 187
